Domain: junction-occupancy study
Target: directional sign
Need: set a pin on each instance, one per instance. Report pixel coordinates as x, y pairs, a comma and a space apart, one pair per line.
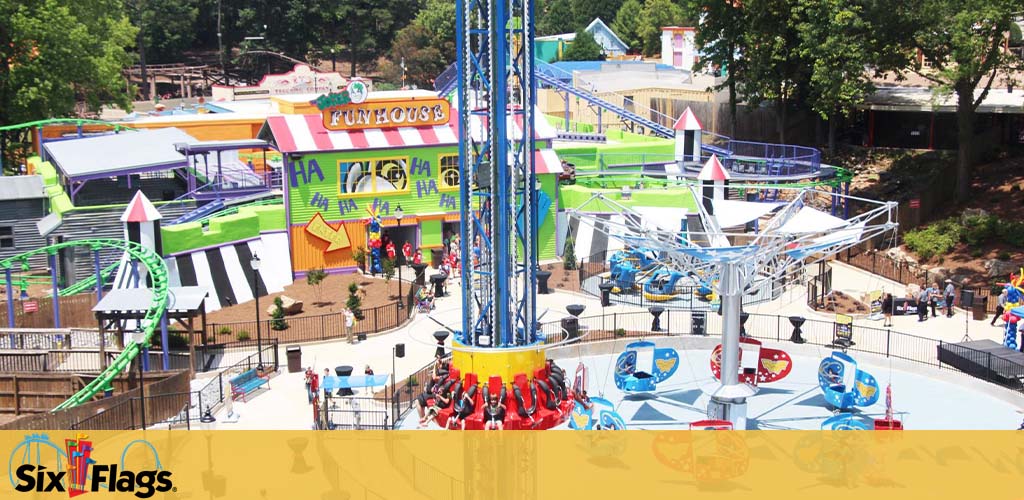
319, 228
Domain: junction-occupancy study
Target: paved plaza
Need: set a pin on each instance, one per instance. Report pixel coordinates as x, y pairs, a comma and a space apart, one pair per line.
927, 403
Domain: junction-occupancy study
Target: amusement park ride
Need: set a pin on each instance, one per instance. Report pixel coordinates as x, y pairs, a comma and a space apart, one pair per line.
772, 241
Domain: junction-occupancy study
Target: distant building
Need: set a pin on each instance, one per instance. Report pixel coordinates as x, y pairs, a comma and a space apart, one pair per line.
679, 47
550, 48
22, 202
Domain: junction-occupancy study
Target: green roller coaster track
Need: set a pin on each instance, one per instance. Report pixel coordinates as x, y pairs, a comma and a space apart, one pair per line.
55, 121
157, 270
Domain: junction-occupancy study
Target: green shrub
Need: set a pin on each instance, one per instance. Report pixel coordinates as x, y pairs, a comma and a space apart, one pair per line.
1011, 233
1004, 255
243, 336
278, 322
979, 230
620, 332
977, 253
224, 330
937, 239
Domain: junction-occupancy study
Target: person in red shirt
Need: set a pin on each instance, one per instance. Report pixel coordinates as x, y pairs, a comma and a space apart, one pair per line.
314, 384
418, 257
391, 250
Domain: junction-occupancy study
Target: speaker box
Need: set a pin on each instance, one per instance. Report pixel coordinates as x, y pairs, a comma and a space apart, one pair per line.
399, 350
966, 299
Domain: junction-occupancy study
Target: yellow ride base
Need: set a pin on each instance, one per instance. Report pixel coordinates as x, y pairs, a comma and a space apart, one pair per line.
501, 363
658, 297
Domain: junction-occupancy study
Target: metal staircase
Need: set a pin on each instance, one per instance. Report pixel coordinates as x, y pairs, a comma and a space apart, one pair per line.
200, 212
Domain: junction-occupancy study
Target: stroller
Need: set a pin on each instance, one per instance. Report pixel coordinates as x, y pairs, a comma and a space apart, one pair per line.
424, 301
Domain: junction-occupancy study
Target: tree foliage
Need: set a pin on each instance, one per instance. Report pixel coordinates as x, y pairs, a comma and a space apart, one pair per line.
720, 36
585, 11
655, 15
962, 42
554, 17
626, 24
315, 278
583, 48
60, 53
168, 28
354, 302
427, 45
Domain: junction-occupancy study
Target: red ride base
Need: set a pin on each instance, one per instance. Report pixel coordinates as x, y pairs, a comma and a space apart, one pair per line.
543, 417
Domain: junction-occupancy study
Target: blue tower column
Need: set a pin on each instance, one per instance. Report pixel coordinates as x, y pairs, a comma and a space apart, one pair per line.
145, 359
52, 258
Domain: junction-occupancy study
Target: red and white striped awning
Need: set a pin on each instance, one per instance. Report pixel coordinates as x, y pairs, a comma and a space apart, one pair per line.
307, 134
542, 130
546, 161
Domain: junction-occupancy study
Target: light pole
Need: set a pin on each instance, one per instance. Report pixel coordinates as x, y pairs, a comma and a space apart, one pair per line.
255, 263
139, 337
398, 217
334, 62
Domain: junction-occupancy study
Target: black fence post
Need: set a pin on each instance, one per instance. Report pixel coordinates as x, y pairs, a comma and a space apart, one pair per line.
888, 337
375, 319
323, 329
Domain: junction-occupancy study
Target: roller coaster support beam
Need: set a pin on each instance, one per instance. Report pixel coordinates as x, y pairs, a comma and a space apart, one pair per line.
51, 257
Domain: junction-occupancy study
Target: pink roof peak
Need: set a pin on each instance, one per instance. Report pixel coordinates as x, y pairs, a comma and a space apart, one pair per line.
140, 209
688, 121
713, 171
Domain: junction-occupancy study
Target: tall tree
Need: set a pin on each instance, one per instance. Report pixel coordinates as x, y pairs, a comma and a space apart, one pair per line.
773, 69
962, 40
167, 28
583, 48
626, 24
585, 11
554, 17
426, 46
720, 35
655, 15
61, 53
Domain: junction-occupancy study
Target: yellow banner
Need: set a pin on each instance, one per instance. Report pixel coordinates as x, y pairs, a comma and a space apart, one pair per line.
387, 114
522, 465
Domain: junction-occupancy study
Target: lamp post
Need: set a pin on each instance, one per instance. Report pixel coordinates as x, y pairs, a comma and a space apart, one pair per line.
398, 351
398, 217
334, 62
255, 263
139, 337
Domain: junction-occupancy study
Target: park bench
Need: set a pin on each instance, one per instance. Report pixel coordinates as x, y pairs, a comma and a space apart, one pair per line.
247, 382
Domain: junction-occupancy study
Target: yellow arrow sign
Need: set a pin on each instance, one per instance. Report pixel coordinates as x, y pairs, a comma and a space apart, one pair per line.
319, 228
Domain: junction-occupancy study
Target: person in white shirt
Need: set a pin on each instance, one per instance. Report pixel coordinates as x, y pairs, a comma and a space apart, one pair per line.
950, 294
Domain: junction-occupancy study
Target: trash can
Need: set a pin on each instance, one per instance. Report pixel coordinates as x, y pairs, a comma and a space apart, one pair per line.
420, 274
436, 256
294, 359
571, 326
438, 281
606, 293
979, 309
542, 282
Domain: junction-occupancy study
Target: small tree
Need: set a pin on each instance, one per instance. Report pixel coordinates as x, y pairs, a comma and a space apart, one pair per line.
354, 303
583, 48
360, 257
277, 322
569, 256
315, 278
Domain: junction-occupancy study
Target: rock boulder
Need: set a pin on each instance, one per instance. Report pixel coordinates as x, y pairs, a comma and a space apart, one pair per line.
290, 306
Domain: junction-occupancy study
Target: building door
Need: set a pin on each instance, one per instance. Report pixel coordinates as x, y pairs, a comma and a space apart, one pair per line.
677, 59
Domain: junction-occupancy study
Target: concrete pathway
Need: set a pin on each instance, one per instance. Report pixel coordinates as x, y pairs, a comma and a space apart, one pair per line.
285, 405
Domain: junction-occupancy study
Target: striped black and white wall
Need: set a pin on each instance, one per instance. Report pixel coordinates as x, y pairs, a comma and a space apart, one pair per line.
226, 271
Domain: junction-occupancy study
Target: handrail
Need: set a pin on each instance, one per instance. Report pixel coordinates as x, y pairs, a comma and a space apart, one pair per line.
54, 121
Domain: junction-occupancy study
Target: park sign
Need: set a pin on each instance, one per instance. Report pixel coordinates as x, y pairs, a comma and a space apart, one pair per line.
349, 110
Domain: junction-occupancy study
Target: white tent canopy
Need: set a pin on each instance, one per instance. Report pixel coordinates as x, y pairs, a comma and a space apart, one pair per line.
731, 213
662, 218
809, 220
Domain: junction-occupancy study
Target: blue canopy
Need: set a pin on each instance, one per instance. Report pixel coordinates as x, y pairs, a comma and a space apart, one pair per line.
353, 382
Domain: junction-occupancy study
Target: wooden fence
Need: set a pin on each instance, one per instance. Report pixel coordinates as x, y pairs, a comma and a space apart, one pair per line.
75, 312
40, 393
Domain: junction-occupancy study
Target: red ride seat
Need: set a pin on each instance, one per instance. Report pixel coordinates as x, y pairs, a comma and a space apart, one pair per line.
546, 400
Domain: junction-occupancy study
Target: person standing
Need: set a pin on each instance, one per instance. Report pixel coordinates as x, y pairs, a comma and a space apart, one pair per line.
922, 304
350, 323
950, 294
887, 306
934, 296
327, 373
369, 373
1000, 306
309, 383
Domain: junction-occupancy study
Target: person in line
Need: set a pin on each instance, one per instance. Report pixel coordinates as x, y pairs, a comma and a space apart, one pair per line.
494, 414
934, 295
309, 382
1000, 306
950, 293
888, 303
922, 304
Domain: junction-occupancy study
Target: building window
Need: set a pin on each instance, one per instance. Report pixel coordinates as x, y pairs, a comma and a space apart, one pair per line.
6, 236
448, 174
381, 176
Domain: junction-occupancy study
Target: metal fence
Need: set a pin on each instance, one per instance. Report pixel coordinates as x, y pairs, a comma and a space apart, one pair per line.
904, 272
357, 413
315, 328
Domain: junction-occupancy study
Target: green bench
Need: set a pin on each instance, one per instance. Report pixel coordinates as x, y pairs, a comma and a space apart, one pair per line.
247, 382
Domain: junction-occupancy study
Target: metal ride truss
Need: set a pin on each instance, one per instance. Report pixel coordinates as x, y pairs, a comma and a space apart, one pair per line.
157, 270
743, 262
498, 195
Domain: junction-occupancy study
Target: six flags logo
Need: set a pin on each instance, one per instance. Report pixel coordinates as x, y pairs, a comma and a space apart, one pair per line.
83, 474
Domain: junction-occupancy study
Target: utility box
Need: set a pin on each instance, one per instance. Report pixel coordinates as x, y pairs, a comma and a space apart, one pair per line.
294, 354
